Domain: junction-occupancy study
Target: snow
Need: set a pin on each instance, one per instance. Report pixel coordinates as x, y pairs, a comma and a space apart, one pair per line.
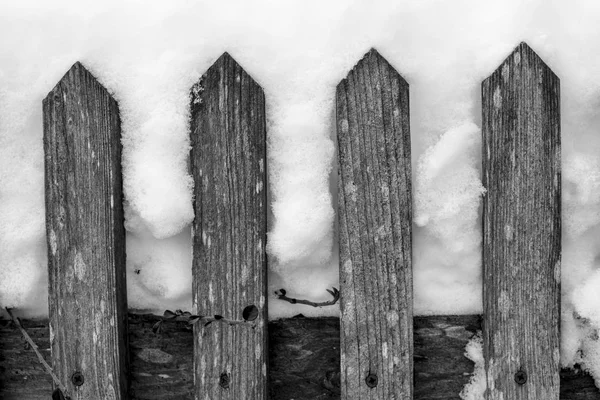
149, 54
475, 389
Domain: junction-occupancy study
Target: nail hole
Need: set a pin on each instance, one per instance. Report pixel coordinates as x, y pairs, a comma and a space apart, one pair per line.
77, 378
371, 380
224, 380
521, 377
250, 313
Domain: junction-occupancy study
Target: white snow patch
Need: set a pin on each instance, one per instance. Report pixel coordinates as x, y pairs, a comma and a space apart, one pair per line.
475, 389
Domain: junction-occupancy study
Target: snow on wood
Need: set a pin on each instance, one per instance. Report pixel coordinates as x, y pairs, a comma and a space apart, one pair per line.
375, 213
522, 228
228, 160
86, 237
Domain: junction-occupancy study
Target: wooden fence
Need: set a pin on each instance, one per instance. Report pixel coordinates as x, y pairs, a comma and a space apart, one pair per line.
377, 350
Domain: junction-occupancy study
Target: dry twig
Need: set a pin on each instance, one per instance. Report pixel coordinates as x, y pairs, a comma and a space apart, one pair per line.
249, 314
37, 352
281, 295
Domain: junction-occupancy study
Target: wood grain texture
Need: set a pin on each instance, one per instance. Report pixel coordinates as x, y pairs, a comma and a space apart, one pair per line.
522, 227
228, 160
85, 236
304, 360
375, 214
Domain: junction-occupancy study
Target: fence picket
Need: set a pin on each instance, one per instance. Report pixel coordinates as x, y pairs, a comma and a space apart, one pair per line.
521, 228
375, 232
86, 237
228, 160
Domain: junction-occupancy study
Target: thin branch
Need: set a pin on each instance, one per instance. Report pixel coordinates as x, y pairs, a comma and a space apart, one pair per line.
37, 352
335, 293
208, 320
250, 314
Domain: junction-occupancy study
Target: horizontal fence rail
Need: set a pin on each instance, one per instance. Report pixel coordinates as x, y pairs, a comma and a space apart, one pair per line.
304, 360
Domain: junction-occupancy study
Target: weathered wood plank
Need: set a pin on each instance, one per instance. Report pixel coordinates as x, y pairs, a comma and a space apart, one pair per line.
522, 228
375, 212
86, 237
229, 262
304, 360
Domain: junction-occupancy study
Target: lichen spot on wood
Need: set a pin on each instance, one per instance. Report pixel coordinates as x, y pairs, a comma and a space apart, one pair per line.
492, 373
197, 90
351, 190
517, 58
52, 240
257, 352
393, 278
503, 303
497, 98
344, 125
259, 187
505, 72
202, 369
348, 266
62, 215
205, 239
211, 295
261, 165
79, 267
509, 233
245, 273
557, 271
392, 317
385, 192
384, 350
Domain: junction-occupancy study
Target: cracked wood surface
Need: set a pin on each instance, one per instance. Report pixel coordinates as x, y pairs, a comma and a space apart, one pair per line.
228, 159
375, 214
85, 236
521, 228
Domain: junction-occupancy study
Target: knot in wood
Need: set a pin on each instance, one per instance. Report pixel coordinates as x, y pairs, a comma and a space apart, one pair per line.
224, 380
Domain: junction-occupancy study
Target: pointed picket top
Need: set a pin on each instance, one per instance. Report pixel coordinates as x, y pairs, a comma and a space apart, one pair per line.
523, 56
225, 65
227, 62
372, 60
79, 75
